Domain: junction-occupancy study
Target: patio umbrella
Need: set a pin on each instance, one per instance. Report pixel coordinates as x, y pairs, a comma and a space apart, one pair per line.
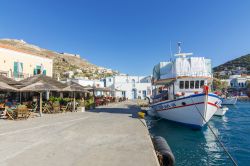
40, 87
89, 88
6, 87
74, 87
103, 89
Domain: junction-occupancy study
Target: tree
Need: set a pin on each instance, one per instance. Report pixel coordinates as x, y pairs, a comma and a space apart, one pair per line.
218, 85
248, 84
248, 88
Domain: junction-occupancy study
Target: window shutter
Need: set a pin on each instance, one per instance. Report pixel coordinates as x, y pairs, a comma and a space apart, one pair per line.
21, 67
15, 73
44, 72
35, 72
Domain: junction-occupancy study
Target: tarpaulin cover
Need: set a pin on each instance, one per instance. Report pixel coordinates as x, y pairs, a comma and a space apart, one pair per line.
193, 66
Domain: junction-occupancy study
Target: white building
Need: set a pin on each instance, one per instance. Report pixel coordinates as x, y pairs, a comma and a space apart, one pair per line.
87, 82
73, 55
90, 83
238, 81
19, 64
131, 87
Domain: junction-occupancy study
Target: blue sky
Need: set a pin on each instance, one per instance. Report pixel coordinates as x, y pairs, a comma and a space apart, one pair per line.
131, 35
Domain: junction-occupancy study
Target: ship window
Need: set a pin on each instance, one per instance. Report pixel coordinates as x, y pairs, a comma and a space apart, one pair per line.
181, 84
202, 83
197, 84
191, 84
186, 84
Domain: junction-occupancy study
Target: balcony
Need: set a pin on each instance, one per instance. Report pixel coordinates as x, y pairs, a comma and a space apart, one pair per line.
19, 76
4, 73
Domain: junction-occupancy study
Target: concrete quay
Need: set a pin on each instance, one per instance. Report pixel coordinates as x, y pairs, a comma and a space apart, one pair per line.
107, 136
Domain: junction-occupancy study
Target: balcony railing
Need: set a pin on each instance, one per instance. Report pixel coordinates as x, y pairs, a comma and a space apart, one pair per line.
19, 76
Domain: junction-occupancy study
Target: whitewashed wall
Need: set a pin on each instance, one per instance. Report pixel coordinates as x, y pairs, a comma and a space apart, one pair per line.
8, 57
128, 84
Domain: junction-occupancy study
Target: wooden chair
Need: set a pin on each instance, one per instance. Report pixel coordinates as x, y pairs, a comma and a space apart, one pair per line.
10, 113
68, 107
47, 108
56, 107
34, 108
22, 112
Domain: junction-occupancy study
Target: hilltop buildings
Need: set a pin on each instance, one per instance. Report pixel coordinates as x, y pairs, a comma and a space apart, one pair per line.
228, 72
18, 64
238, 83
87, 82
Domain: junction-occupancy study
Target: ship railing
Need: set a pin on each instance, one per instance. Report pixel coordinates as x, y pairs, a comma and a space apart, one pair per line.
195, 74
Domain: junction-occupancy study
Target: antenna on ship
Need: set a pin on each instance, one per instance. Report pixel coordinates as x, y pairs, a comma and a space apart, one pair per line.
170, 49
182, 55
179, 47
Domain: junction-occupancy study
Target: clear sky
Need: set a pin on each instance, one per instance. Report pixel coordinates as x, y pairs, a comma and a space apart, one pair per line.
131, 35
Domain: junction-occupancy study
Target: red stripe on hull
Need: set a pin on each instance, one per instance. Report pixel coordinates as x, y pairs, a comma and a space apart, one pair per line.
188, 105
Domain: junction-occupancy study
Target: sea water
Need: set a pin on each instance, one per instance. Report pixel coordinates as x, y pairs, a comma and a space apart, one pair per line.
200, 147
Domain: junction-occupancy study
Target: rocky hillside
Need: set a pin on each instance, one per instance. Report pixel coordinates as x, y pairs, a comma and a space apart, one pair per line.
65, 65
239, 65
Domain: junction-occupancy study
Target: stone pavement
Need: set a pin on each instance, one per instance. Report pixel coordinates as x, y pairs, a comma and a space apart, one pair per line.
107, 136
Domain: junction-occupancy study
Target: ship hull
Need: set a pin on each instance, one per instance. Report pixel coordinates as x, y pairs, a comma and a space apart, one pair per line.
229, 101
194, 110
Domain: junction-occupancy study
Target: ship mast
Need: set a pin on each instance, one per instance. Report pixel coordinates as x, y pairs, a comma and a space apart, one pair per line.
180, 54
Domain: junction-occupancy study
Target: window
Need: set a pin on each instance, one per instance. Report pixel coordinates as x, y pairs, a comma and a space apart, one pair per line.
37, 70
191, 84
123, 93
181, 86
144, 93
44, 72
186, 84
133, 83
197, 84
18, 69
202, 83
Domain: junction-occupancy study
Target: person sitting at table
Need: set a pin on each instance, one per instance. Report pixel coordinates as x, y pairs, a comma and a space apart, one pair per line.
7, 106
7, 103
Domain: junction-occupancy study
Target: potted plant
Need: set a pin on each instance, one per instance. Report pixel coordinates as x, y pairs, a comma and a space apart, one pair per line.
81, 106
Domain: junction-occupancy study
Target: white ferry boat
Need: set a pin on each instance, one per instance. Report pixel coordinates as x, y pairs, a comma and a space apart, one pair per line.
181, 92
221, 111
229, 101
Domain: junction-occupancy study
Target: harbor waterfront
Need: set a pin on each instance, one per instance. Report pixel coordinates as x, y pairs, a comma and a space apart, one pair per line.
199, 147
107, 136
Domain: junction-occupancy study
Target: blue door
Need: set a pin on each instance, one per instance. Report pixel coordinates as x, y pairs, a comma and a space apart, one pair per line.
134, 94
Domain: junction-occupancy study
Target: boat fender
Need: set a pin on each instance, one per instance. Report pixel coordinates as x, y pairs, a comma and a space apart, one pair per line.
205, 89
141, 115
162, 147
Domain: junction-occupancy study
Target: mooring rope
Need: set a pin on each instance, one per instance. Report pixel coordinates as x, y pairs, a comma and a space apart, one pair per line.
217, 138
156, 120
